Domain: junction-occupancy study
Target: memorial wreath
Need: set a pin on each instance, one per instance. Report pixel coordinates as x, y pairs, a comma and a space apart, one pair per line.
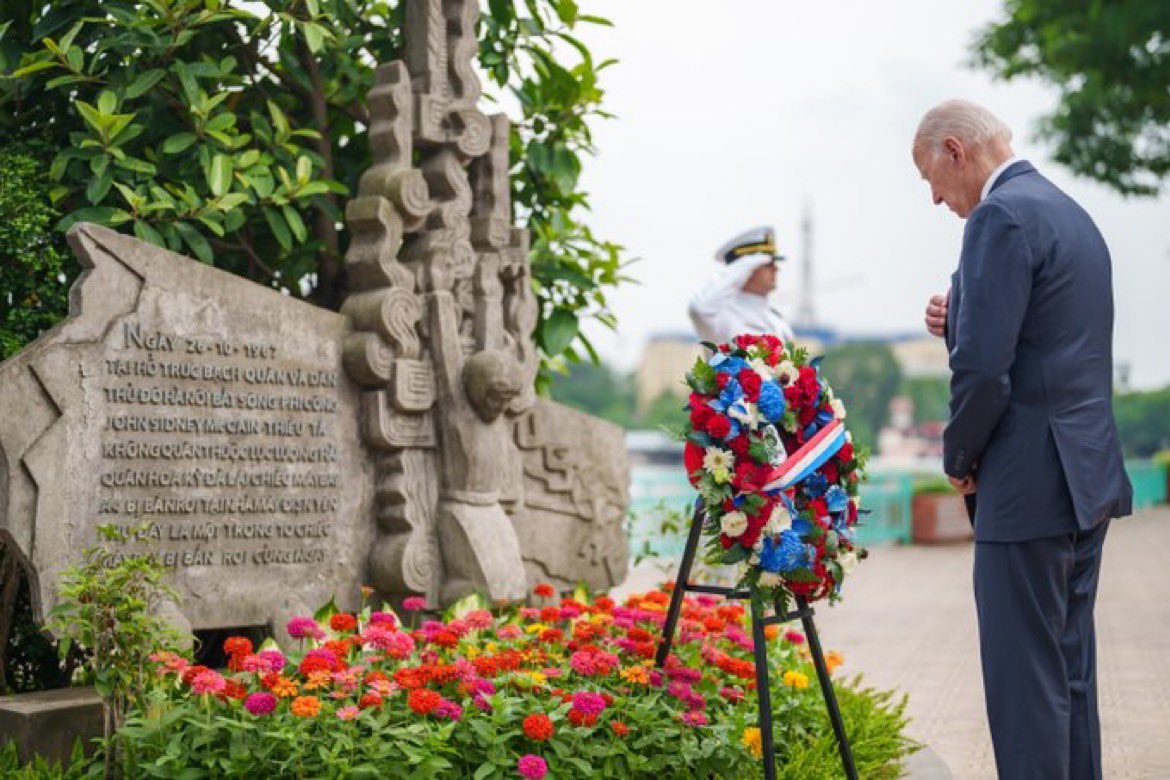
775, 469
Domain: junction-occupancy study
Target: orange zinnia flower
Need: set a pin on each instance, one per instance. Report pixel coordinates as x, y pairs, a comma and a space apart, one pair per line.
284, 687
306, 706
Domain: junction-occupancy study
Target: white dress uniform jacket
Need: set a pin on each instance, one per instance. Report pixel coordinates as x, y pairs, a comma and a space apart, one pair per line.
721, 310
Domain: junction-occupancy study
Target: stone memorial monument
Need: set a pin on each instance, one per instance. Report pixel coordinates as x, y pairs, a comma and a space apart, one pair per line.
275, 454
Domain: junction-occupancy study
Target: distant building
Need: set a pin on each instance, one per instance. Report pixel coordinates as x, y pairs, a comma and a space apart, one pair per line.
903, 440
664, 366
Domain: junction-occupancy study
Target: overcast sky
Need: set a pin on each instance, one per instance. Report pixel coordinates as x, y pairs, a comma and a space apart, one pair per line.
736, 113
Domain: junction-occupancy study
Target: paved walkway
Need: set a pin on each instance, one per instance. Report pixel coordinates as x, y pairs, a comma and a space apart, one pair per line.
908, 622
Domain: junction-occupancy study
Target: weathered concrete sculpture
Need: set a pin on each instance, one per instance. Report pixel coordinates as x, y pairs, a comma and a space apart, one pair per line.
442, 299
275, 454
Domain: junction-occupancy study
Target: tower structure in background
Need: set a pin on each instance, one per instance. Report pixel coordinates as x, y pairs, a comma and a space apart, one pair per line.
805, 309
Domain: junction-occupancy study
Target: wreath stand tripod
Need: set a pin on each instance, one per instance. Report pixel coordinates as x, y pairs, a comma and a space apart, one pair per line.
803, 611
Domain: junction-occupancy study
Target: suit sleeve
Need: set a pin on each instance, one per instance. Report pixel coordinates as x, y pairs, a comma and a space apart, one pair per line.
995, 275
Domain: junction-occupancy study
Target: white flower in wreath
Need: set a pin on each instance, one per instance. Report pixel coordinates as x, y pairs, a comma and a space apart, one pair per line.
769, 579
847, 561
718, 462
754, 559
734, 523
787, 372
747, 414
762, 368
838, 407
779, 520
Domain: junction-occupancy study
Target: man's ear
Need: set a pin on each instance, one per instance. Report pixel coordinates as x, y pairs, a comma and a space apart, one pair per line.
954, 149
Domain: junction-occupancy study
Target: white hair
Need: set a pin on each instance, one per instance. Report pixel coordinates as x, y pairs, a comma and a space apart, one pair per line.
969, 122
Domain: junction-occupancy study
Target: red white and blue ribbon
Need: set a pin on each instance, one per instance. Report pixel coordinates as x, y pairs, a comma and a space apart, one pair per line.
813, 454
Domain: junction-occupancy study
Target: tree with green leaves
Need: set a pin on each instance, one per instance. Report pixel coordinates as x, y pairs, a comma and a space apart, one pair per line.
35, 265
234, 130
1110, 62
1143, 421
865, 376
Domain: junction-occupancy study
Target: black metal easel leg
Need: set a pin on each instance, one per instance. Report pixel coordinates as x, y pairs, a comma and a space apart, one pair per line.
680, 583
763, 690
818, 656
759, 649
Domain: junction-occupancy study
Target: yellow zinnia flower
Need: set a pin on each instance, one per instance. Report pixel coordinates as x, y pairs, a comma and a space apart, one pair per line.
753, 741
795, 679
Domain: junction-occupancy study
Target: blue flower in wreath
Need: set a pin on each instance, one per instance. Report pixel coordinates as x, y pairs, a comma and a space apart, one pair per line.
801, 526
724, 364
784, 555
836, 499
731, 394
771, 402
815, 485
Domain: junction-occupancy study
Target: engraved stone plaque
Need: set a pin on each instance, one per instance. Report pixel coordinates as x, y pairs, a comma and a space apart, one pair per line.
208, 418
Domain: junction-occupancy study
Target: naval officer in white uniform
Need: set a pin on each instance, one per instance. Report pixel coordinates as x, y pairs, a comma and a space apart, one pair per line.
735, 300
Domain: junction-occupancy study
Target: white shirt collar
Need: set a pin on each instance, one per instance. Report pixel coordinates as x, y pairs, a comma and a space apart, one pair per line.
987, 185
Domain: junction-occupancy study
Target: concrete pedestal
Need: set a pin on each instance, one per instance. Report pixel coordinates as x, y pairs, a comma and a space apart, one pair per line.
48, 723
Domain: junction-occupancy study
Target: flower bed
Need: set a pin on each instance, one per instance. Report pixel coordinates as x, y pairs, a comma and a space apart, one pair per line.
564, 690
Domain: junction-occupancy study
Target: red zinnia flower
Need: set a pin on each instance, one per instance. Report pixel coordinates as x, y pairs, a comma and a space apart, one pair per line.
538, 727
237, 645
314, 663
423, 700
578, 718
343, 621
544, 590
619, 728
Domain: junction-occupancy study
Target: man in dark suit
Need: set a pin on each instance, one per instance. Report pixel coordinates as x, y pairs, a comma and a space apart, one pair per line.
1031, 439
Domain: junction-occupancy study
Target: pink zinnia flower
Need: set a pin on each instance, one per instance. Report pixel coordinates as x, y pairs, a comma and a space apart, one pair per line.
530, 613
795, 637
254, 663
262, 703
275, 658
171, 662
383, 619
694, 718
481, 703
588, 703
348, 712
208, 682
414, 604
584, 664
532, 767
479, 619
303, 628
449, 709
733, 695
684, 673
510, 631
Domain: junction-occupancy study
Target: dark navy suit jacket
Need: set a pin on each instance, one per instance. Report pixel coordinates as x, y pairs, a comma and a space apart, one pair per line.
1030, 329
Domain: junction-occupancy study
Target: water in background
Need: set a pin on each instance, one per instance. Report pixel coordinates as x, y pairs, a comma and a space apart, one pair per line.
656, 488
658, 484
